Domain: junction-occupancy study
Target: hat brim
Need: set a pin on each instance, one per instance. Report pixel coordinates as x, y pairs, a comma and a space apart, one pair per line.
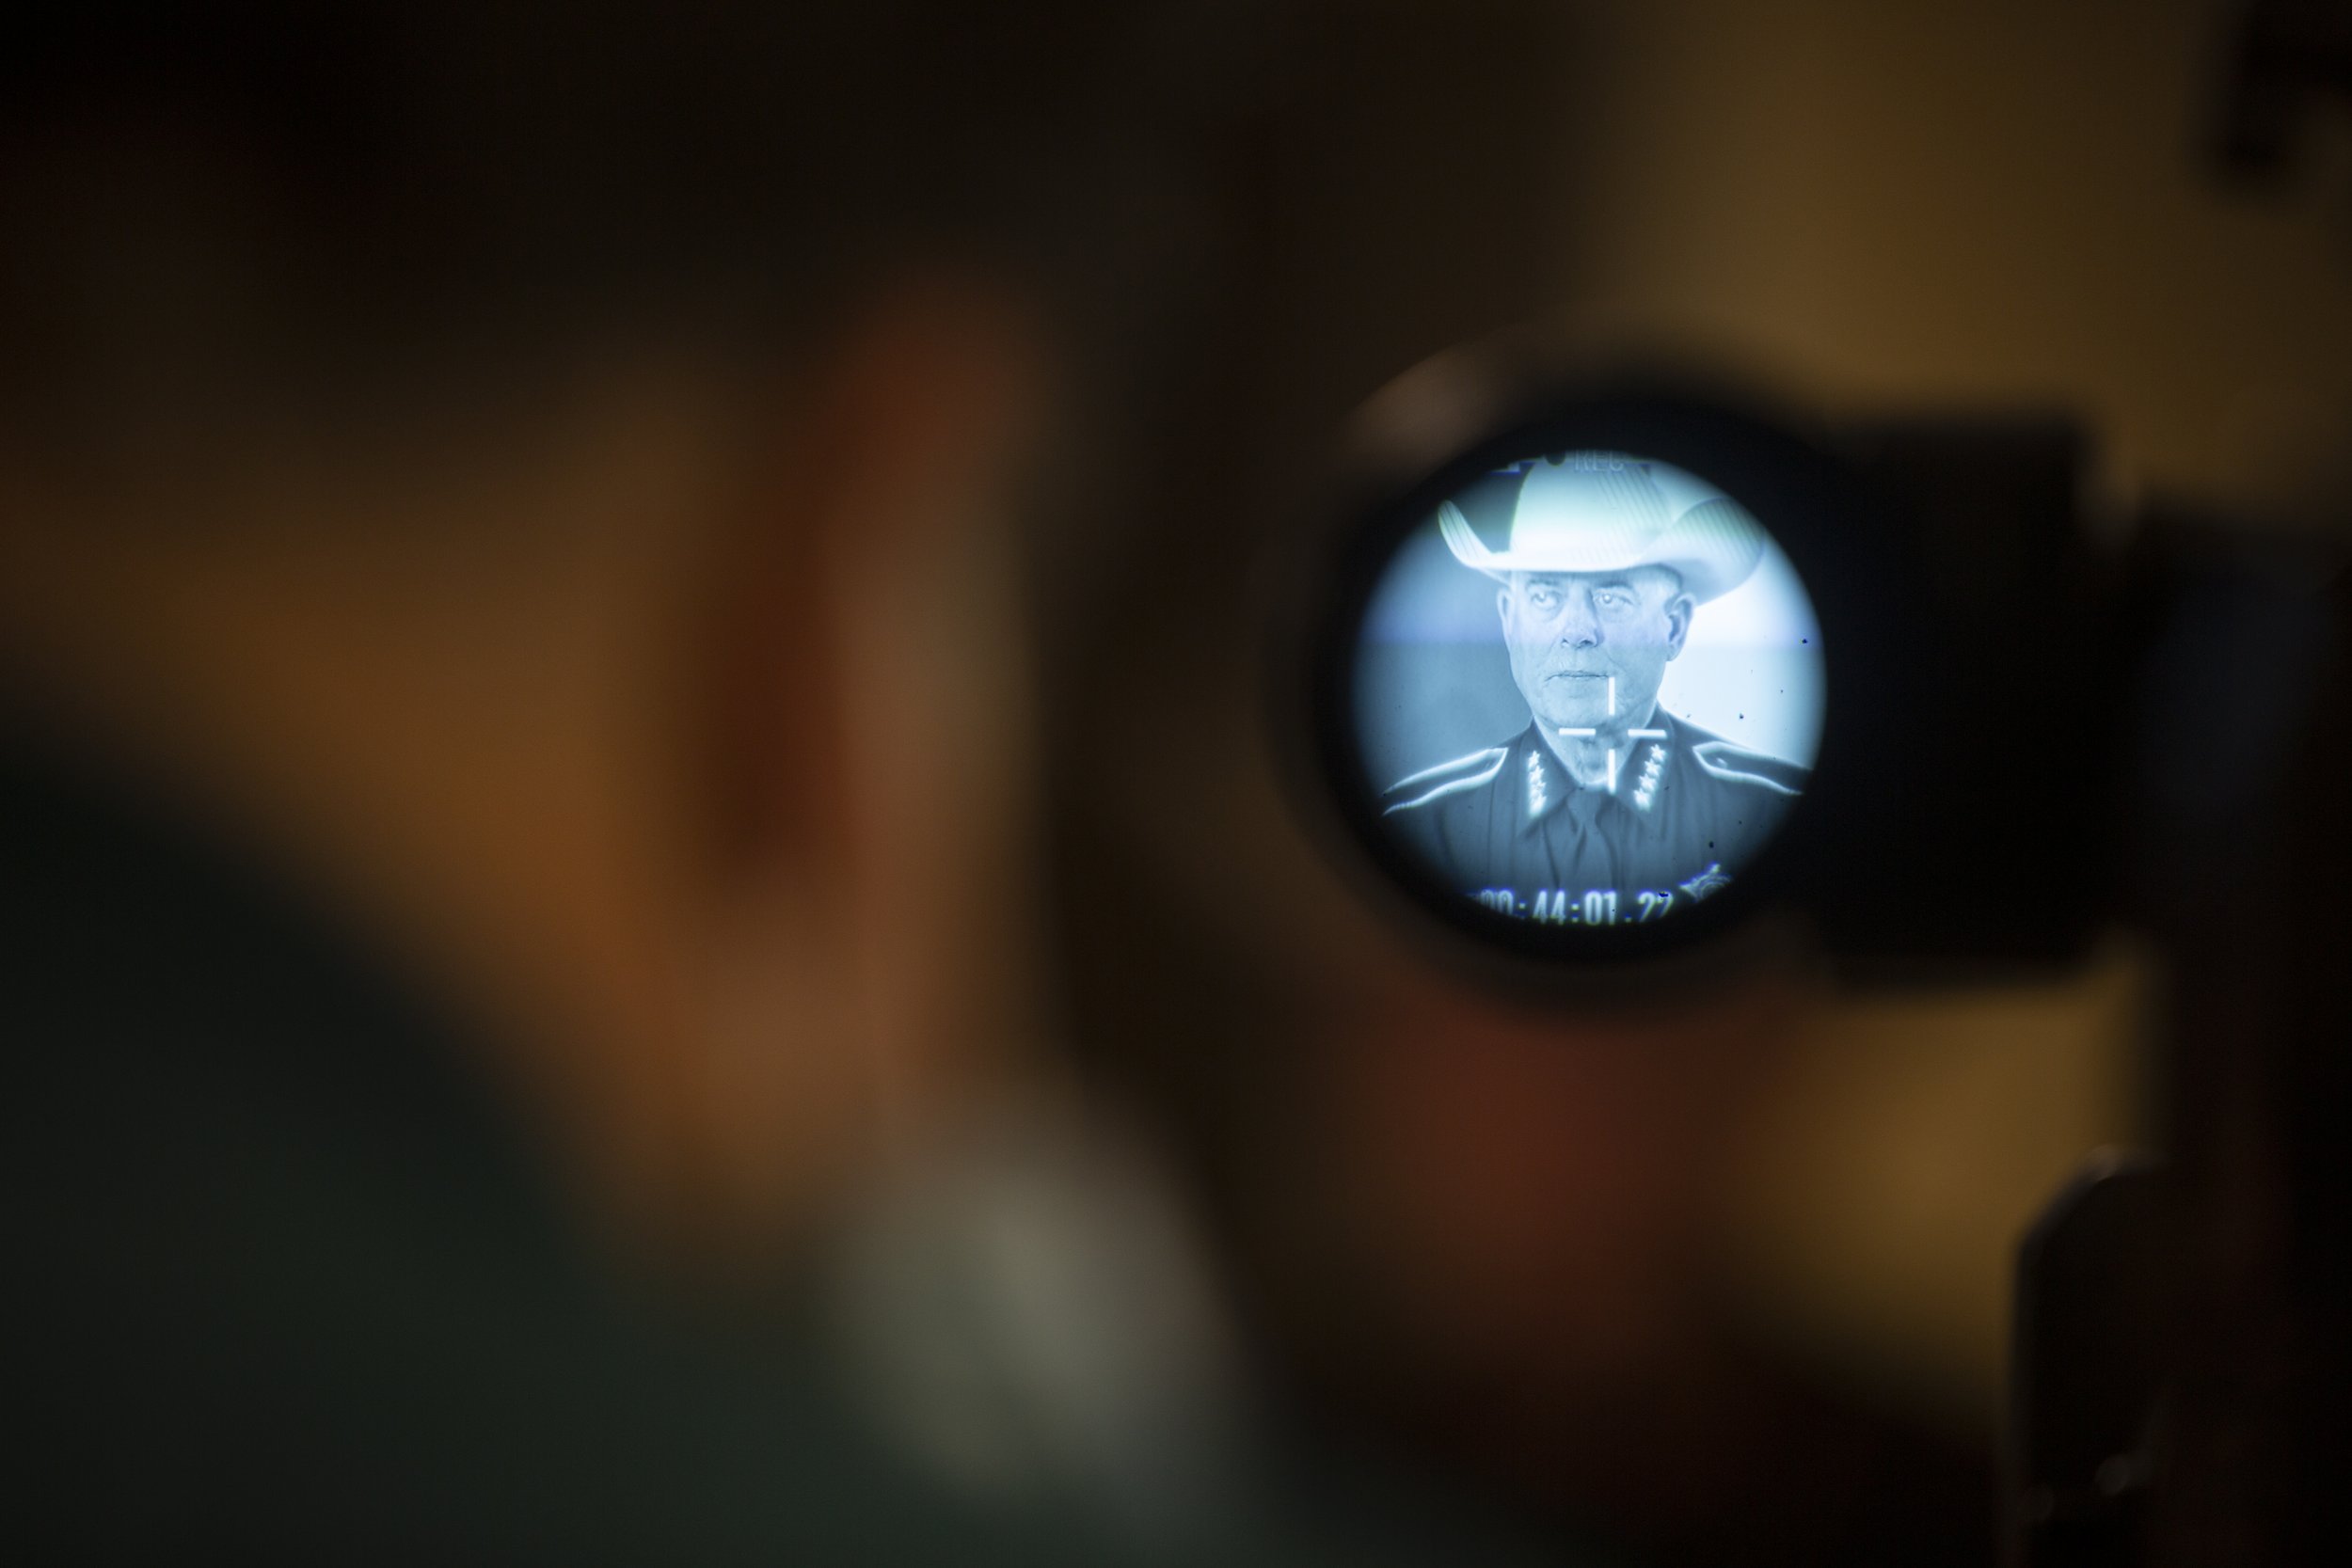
1713, 548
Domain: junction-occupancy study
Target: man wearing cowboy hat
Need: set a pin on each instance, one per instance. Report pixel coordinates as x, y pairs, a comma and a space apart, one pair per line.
1606, 807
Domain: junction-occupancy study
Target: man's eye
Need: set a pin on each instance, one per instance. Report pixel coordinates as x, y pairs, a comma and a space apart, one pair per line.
1608, 599
1543, 598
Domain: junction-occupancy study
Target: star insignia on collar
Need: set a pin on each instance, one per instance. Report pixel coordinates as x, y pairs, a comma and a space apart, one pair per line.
1646, 786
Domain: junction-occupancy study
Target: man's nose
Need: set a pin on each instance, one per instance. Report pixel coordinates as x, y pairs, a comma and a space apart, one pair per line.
1578, 626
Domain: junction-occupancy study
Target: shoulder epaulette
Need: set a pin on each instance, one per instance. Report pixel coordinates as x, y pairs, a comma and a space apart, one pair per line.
1417, 790
1736, 764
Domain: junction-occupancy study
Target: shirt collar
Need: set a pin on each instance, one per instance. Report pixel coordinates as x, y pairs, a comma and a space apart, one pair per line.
1544, 785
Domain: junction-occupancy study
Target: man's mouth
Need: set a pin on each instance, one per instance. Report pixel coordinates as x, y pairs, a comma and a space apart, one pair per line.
1575, 676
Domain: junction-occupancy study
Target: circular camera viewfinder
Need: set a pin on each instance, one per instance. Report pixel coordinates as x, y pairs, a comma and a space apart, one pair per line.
1588, 691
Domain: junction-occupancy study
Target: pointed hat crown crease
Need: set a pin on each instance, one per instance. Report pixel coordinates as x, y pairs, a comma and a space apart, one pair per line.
1595, 512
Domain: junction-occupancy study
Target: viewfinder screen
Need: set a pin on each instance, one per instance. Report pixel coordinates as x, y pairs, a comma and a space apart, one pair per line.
1588, 691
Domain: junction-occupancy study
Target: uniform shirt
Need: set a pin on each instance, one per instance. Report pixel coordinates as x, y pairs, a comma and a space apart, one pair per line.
1510, 827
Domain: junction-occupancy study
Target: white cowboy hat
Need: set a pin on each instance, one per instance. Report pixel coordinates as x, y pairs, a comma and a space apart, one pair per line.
1596, 512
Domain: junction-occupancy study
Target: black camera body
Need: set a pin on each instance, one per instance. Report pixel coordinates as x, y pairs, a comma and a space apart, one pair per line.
2025, 704
2036, 722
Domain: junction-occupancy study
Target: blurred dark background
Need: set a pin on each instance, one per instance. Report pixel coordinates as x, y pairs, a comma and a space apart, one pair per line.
1251, 1226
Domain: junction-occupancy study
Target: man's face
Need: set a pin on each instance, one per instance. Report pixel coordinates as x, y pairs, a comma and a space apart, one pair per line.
1588, 649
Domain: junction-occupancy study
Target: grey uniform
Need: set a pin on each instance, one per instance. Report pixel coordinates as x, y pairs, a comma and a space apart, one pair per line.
1509, 825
